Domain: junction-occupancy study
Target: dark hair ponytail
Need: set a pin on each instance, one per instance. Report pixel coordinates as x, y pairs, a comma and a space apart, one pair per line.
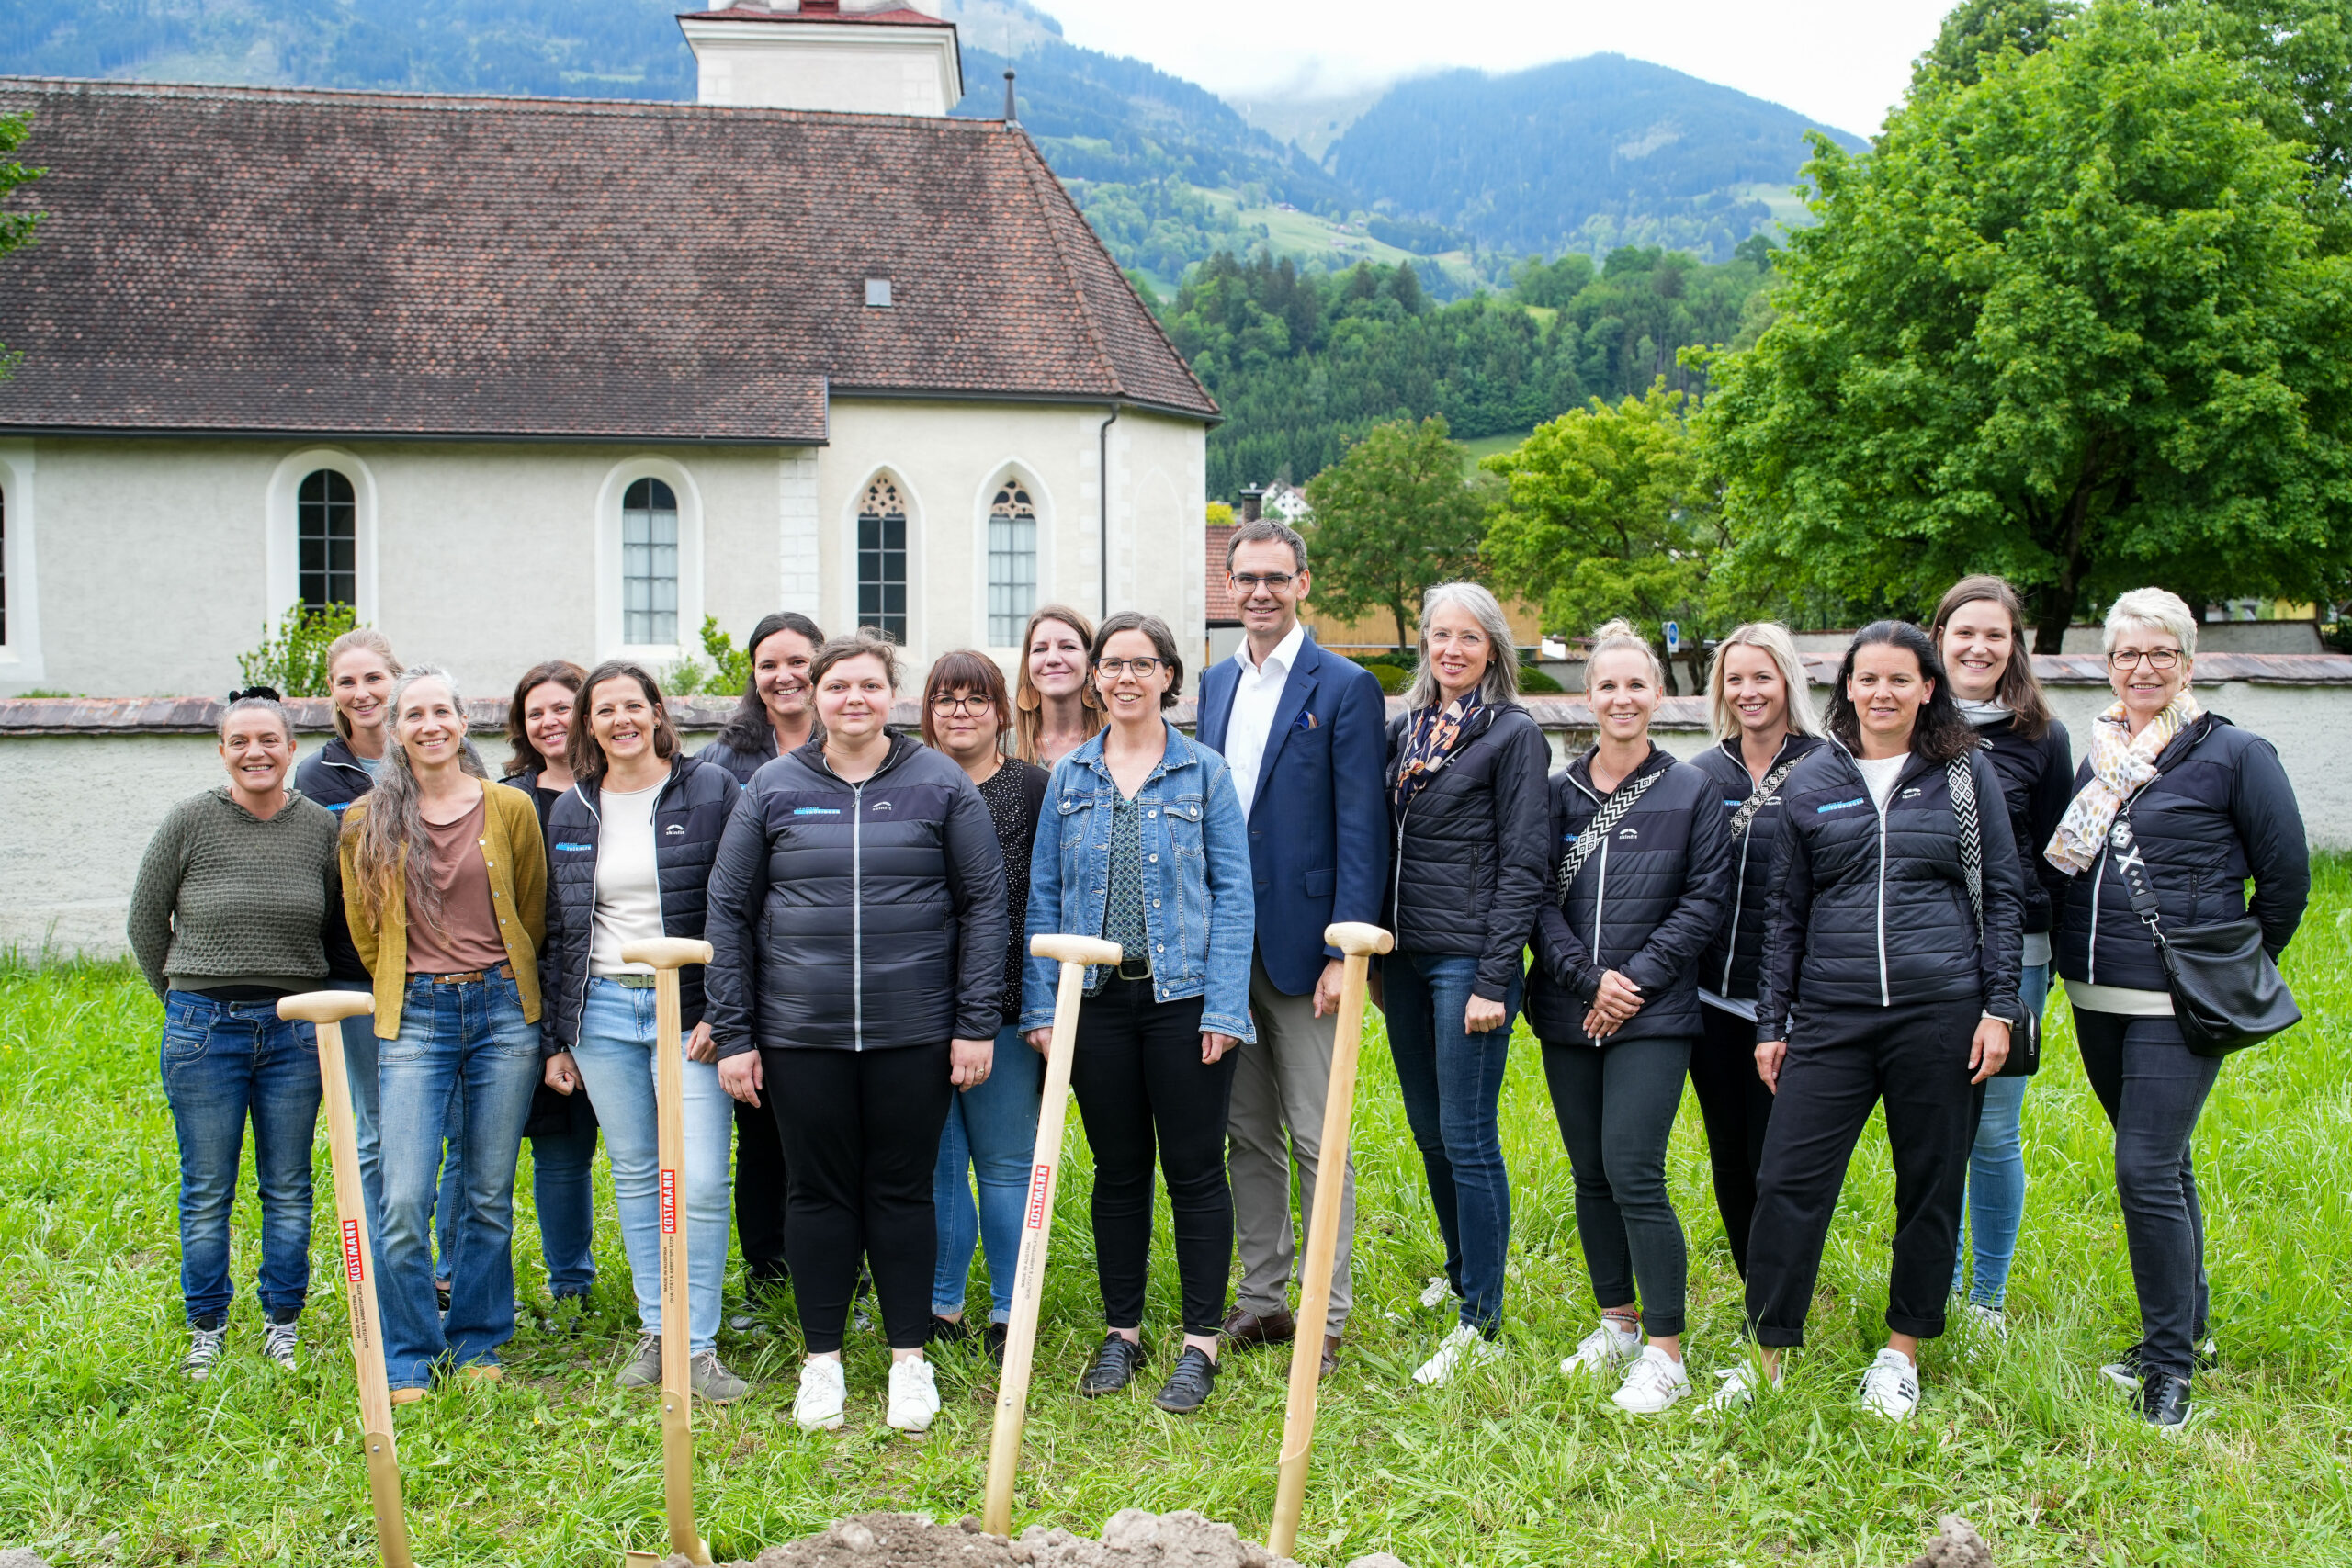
1940, 733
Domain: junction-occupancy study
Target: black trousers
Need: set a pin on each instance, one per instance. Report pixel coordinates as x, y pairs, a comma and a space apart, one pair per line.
1841, 1063
861, 1137
760, 1195
1142, 1088
1615, 1105
2153, 1088
1736, 1108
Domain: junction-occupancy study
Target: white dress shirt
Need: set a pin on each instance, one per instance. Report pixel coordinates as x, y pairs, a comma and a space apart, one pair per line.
1255, 696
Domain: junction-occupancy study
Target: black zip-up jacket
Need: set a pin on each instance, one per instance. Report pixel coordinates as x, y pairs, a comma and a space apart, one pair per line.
2037, 781
740, 765
1731, 962
855, 916
331, 776
2219, 810
1645, 904
689, 816
1468, 872
1870, 907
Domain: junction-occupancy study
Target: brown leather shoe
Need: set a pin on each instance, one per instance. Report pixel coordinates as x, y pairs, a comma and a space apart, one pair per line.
1241, 1328
1331, 1355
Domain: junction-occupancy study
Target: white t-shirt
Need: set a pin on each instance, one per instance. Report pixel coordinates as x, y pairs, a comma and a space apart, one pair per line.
1256, 695
629, 880
1880, 774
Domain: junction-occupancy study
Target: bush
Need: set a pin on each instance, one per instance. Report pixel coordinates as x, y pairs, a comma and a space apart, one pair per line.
1393, 680
729, 670
295, 660
1536, 682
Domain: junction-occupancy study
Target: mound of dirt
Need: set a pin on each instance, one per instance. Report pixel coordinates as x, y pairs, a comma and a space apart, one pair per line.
1135, 1538
1955, 1544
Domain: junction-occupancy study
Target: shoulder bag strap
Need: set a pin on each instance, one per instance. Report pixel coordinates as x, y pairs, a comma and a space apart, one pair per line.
1765, 790
1962, 783
1596, 832
2124, 853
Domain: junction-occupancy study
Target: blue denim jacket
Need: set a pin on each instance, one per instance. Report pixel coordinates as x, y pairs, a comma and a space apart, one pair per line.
1200, 910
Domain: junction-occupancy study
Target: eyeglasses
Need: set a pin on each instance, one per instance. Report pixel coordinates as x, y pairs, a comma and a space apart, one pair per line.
1250, 581
2155, 658
944, 704
1142, 669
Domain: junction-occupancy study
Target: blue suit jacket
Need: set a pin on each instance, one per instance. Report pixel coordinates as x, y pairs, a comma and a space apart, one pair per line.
1319, 824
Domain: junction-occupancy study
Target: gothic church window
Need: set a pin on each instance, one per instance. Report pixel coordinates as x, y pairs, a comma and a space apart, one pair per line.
882, 559
1013, 562
327, 540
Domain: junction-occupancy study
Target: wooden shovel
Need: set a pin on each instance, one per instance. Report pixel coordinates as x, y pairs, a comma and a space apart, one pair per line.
1075, 953
1356, 943
325, 1012
667, 954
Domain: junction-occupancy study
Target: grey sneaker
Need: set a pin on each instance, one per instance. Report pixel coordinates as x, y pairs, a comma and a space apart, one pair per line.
713, 1384
644, 1370
204, 1346
279, 1341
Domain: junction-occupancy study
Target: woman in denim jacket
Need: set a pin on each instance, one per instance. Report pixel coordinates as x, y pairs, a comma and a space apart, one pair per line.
1143, 843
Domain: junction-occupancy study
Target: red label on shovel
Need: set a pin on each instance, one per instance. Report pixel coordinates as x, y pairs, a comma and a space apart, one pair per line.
352, 1268
669, 1202
1037, 1184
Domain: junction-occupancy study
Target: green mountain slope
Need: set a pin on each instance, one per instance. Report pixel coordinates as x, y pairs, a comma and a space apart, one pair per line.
1584, 154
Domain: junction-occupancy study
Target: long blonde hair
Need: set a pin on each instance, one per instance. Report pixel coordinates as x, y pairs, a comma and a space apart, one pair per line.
1774, 640
1028, 702
375, 642
387, 822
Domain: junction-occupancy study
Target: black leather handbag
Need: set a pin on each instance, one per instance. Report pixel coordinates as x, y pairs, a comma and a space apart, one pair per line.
2226, 993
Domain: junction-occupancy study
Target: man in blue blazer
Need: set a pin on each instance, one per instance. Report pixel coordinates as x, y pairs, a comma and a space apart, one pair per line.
1306, 732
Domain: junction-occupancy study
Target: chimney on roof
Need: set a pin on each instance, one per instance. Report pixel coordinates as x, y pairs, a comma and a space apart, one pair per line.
1253, 502
1012, 107
894, 57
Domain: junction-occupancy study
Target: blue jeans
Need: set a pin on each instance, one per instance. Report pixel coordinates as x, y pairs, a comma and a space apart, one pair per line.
225, 1063
563, 1192
359, 1044
1452, 1083
1996, 1171
991, 1133
614, 1055
472, 1033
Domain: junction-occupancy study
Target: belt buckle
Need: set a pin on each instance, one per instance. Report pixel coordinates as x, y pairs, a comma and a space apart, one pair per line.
634, 982
1135, 968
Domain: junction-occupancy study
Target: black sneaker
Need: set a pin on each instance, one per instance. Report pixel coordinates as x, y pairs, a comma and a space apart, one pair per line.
2164, 1402
1188, 1387
441, 1296
993, 1341
1116, 1361
949, 1330
2125, 1371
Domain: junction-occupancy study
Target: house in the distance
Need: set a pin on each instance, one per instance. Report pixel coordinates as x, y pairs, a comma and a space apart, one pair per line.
528, 378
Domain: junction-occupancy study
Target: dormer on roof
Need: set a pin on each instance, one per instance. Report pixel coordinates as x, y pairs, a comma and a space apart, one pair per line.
847, 56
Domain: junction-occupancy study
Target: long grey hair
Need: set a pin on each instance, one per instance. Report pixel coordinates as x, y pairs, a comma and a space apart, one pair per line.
389, 820
1502, 682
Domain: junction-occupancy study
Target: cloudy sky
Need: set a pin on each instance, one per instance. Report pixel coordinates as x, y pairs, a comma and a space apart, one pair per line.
1843, 62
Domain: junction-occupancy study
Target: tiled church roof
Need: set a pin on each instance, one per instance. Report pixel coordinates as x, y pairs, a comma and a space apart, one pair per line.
248, 260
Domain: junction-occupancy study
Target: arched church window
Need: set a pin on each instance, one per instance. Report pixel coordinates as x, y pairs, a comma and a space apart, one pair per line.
650, 564
1012, 562
882, 559
327, 539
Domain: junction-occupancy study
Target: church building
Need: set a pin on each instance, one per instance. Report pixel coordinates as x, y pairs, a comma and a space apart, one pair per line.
520, 378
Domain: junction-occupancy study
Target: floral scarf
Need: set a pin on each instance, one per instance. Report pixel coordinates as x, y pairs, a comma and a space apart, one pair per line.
1429, 740
2120, 763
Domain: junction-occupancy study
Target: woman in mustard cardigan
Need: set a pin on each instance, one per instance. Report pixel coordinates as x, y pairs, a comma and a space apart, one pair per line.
445, 882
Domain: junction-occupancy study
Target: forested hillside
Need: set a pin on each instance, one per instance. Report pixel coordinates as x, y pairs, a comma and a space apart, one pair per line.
1302, 362
1582, 154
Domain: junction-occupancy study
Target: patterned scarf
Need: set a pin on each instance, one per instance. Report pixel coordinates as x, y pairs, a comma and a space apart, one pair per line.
2120, 763
1429, 741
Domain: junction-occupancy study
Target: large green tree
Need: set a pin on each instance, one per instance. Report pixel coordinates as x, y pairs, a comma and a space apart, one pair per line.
15, 228
1393, 516
1607, 512
2073, 323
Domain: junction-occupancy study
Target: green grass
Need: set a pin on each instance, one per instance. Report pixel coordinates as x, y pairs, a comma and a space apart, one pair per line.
1488, 446
106, 1455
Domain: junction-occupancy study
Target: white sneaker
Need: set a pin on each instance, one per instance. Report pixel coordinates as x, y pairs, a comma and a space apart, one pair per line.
1438, 1291
1740, 1386
280, 1340
1655, 1384
914, 1394
1463, 1345
824, 1389
1604, 1349
1892, 1386
1991, 1320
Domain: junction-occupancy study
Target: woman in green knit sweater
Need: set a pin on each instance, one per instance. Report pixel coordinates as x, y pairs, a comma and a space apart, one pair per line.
225, 918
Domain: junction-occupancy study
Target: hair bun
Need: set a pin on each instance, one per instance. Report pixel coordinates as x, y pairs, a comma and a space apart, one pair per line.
1619, 628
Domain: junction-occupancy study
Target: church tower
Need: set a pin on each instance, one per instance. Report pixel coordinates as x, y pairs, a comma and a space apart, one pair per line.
850, 56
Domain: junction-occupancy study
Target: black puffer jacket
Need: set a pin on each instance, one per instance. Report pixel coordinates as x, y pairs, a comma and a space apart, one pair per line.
1730, 965
850, 916
1870, 908
2037, 780
689, 816
331, 776
2219, 810
1645, 903
1467, 876
739, 765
